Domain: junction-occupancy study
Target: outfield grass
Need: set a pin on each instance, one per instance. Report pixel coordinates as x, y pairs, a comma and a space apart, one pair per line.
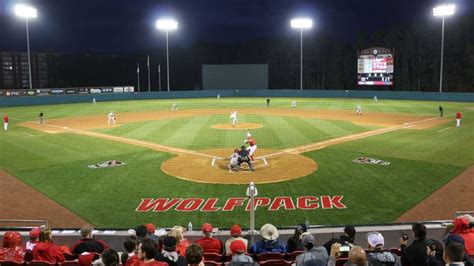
56, 164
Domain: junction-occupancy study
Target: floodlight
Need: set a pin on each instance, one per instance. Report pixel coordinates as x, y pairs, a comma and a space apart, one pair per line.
443, 10
166, 24
301, 23
25, 11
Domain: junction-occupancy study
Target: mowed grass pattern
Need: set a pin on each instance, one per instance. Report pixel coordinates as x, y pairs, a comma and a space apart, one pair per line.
56, 164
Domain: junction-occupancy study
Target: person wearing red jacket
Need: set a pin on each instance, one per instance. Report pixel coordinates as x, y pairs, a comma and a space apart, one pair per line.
46, 250
11, 248
208, 243
5, 122
458, 119
461, 228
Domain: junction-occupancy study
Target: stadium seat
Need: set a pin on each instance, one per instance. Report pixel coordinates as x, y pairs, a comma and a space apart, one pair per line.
40, 263
395, 251
212, 263
276, 262
70, 263
292, 256
212, 257
341, 261
270, 256
227, 257
10, 263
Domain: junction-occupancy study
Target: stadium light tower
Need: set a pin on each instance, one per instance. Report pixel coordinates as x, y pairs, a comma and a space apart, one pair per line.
301, 24
442, 11
167, 25
27, 12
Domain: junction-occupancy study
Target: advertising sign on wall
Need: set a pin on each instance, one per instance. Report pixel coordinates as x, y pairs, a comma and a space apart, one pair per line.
118, 89
128, 89
43, 92
57, 91
83, 91
70, 91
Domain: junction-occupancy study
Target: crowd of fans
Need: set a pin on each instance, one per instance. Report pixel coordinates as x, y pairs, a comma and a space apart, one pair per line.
146, 248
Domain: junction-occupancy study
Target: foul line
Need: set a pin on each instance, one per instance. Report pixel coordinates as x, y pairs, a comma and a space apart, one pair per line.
444, 129
29, 135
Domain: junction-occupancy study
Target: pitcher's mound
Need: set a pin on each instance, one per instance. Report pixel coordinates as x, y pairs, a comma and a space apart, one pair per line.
279, 168
238, 126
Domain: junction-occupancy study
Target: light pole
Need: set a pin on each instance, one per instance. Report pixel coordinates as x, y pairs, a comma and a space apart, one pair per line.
159, 77
27, 12
442, 11
167, 25
138, 76
301, 24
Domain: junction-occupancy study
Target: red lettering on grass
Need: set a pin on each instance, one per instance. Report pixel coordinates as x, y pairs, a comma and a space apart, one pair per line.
209, 205
328, 202
189, 205
159, 205
258, 201
279, 202
232, 202
307, 203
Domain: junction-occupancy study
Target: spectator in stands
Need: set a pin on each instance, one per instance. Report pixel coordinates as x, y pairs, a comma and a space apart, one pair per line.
453, 255
147, 250
435, 260
110, 257
181, 242
238, 249
34, 238
46, 250
346, 239
357, 256
150, 233
461, 228
235, 233
415, 254
194, 254
141, 232
208, 243
88, 243
314, 255
270, 242
130, 256
169, 254
294, 243
11, 247
377, 255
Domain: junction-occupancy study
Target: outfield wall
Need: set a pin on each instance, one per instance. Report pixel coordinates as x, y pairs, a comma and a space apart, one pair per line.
399, 95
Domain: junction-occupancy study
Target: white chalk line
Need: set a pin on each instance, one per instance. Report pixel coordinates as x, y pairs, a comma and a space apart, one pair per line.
24, 133
444, 129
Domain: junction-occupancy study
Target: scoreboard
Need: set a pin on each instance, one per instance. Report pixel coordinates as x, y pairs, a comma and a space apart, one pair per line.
375, 67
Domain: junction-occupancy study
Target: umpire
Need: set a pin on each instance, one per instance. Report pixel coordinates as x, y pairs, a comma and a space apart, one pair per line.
244, 157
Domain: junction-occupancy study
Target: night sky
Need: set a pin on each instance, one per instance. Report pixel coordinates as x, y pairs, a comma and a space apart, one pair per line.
123, 26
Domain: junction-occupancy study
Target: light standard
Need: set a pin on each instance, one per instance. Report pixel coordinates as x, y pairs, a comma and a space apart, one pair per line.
26, 12
167, 25
442, 11
301, 24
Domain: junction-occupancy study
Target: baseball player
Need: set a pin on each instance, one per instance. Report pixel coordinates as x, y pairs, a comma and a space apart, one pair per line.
174, 107
233, 118
94, 101
234, 161
358, 109
41, 117
5, 122
244, 157
458, 119
111, 118
252, 144
441, 111
375, 98
293, 104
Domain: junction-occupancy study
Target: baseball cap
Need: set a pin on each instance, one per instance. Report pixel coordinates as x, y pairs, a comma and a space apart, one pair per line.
350, 230
454, 238
235, 230
237, 246
35, 232
11, 239
269, 232
206, 228
150, 228
375, 238
307, 238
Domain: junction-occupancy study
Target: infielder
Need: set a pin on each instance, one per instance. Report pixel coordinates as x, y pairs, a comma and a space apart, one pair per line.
233, 118
111, 118
358, 109
174, 107
293, 104
5, 122
458, 119
252, 144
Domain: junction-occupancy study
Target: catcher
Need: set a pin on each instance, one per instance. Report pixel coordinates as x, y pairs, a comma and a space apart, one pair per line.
234, 164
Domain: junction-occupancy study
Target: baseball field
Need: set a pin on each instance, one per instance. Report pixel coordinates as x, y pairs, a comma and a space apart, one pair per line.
174, 170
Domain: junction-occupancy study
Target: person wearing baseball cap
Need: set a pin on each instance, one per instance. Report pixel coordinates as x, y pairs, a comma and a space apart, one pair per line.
235, 233
377, 254
312, 255
208, 243
270, 242
294, 243
11, 247
150, 233
238, 249
169, 254
34, 238
346, 239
